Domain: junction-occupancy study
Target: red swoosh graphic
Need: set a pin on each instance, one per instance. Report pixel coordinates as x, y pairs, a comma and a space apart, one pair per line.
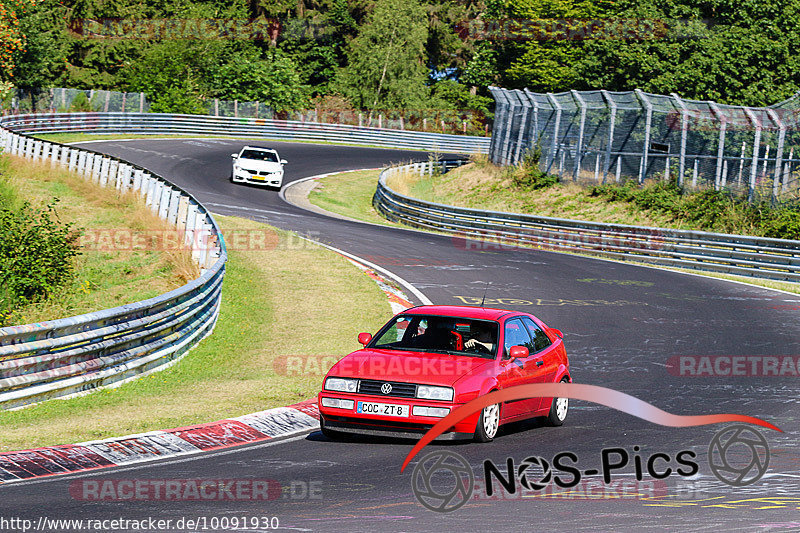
590, 393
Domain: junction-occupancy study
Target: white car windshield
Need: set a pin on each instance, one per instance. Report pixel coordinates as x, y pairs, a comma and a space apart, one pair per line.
439, 334
258, 155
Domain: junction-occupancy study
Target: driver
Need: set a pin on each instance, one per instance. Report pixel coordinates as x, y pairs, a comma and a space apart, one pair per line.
481, 337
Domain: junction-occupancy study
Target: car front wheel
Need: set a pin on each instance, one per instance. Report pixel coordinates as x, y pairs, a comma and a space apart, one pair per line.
488, 423
558, 409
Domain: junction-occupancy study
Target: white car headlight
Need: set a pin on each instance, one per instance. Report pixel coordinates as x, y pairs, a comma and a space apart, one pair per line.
429, 392
338, 403
341, 384
421, 410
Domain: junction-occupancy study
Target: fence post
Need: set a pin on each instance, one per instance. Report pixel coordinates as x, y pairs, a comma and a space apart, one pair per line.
684, 133
776, 184
124, 97
524, 101
497, 130
216, 107
756, 149
579, 149
554, 148
647, 125
721, 145
611, 125
141, 102
236, 108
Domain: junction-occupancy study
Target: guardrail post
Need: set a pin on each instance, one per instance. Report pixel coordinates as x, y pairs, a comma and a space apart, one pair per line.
137, 180
684, 133
105, 170
97, 168
611, 124
776, 183
174, 203
183, 208
163, 202
81, 168
756, 149
648, 123
189, 233
582, 128
555, 146
38, 147
55, 153
149, 185
73, 159
721, 145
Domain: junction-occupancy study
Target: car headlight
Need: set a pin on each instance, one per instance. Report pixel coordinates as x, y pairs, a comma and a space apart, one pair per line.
338, 403
341, 384
421, 410
429, 392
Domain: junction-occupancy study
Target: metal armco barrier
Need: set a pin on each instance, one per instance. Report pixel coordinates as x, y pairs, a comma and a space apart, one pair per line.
69, 356
160, 124
476, 229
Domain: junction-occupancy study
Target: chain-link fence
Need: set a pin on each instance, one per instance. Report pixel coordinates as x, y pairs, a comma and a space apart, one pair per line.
462, 122
601, 136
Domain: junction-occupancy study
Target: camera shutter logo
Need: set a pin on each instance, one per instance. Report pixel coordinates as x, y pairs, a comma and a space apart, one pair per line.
738, 455
386, 388
442, 481
531, 465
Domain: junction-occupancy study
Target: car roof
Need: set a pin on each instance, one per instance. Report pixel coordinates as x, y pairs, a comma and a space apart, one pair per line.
263, 148
461, 311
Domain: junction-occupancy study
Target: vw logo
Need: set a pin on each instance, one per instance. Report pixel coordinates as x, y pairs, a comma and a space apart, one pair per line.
386, 388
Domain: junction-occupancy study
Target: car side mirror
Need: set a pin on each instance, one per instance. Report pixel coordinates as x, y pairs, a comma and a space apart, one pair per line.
283, 161
364, 338
518, 352
234, 155
557, 333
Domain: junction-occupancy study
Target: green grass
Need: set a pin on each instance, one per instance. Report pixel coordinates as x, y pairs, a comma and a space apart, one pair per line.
279, 302
349, 194
104, 277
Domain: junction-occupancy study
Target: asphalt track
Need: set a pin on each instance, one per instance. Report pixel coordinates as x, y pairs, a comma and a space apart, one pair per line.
622, 323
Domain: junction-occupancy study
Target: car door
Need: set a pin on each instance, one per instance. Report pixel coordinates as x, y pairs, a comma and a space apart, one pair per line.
543, 357
518, 371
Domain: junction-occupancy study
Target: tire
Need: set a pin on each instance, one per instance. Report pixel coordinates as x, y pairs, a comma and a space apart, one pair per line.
558, 409
488, 423
329, 434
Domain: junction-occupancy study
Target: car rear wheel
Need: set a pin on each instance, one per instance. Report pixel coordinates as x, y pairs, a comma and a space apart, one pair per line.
558, 409
488, 423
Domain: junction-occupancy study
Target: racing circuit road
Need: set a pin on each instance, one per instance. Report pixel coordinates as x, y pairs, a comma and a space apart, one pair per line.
622, 323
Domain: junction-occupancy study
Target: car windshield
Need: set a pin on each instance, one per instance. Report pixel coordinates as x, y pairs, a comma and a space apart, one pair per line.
258, 155
439, 334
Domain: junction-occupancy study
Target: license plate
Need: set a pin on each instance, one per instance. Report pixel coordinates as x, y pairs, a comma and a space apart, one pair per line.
257, 178
387, 409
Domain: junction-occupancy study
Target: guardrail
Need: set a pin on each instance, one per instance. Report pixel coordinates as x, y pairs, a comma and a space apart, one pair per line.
760, 257
160, 124
73, 355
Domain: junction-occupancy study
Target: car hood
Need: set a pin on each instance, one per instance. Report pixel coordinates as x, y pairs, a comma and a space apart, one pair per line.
411, 367
254, 164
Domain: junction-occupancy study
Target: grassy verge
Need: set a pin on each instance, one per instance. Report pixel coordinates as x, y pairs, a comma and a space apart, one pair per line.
482, 185
106, 276
275, 303
349, 194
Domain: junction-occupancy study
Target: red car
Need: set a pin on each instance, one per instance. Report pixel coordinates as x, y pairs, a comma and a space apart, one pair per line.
428, 360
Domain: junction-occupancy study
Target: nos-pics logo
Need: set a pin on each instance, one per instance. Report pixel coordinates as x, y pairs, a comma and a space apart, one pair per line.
444, 481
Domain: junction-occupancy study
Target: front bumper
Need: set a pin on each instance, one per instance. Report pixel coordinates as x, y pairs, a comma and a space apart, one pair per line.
412, 426
272, 180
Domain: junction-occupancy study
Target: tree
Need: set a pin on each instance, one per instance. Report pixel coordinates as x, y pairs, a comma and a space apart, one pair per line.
387, 67
12, 40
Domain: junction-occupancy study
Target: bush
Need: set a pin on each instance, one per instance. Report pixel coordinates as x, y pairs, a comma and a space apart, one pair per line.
80, 104
527, 175
36, 254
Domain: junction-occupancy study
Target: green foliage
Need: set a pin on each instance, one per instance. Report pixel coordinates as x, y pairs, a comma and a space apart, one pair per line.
386, 61
36, 253
528, 176
80, 103
708, 209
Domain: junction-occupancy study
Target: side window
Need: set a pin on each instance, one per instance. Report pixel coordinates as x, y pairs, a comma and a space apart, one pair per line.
540, 338
515, 334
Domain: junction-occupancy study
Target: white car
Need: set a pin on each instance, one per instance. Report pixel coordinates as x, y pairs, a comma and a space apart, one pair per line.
255, 164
